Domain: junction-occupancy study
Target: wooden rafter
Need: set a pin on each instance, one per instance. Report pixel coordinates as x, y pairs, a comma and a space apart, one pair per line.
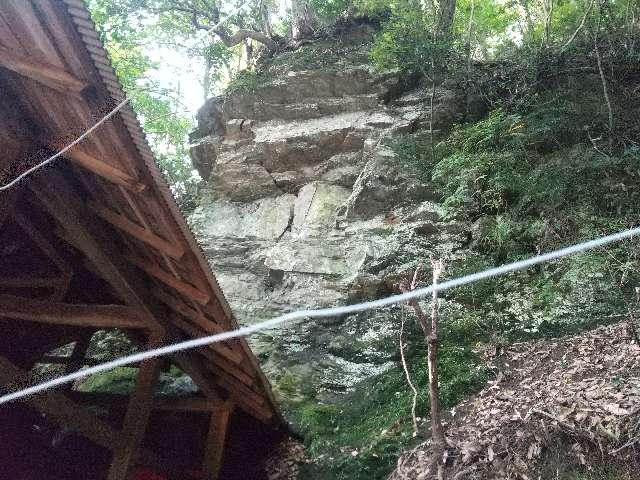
181, 286
136, 418
143, 234
55, 313
195, 332
41, 72
186, 311
101, 168
71, 214
69, 211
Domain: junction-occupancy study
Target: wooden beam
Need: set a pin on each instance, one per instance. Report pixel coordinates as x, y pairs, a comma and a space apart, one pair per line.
41, 72
195, 332
182, 287
216, 439
62, 410
186, 311
144, 235
136, 418
95, 316
101, 168
71, 214
27, 281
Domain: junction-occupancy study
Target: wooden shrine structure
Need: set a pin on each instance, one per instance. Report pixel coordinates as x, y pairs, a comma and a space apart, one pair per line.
95, 242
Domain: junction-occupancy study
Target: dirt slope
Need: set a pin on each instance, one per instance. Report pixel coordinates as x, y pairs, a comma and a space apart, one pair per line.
554, 406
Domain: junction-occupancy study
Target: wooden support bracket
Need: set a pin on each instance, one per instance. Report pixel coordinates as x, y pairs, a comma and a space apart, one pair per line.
101, 168
180, 286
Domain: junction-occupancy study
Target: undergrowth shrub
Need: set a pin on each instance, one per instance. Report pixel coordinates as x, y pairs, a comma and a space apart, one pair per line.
368, 429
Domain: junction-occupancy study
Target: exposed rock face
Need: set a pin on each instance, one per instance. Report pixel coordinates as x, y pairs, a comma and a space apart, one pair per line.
307, 206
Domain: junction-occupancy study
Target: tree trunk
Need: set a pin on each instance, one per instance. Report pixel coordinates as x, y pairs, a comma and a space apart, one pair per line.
447, 13
206, 80
437, 432
241, 35
303, 19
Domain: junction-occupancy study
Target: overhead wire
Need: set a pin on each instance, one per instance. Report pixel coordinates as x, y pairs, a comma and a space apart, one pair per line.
321, 313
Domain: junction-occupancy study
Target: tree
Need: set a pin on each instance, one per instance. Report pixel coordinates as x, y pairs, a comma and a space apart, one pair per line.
303, 19
162, 116
446, 16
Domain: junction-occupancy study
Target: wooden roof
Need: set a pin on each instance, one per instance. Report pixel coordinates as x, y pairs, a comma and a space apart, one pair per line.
96, 241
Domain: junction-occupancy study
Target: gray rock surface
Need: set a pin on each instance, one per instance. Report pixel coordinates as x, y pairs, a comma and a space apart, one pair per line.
306, 206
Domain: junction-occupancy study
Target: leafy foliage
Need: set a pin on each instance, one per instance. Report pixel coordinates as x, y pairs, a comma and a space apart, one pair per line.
158, 108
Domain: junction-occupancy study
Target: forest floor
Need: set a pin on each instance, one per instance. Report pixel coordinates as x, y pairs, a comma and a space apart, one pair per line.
555, 408
566, 408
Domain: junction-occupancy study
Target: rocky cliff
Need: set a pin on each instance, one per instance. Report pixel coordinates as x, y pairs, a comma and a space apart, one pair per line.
306, 205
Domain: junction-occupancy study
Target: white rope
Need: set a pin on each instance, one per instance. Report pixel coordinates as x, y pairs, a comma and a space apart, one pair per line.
65, 149
320, 313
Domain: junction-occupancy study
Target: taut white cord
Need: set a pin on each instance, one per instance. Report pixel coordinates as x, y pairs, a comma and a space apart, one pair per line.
321, 313
65, 149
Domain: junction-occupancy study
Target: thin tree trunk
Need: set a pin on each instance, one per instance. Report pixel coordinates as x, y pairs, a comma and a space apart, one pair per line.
437, 431
580, 27
414, 420
547, 6
266, 19
206, 80
303, 19
447, 14
605, 87
470, 36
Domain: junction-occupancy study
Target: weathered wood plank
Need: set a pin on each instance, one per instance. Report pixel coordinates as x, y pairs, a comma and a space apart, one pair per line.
54, 313
143, 234
101, 168
171, 281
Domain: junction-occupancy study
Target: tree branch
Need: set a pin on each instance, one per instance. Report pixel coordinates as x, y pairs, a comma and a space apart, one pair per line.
241, 35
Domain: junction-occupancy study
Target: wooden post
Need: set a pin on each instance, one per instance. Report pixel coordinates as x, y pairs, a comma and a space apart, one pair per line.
136, 418
216, 437
77, 356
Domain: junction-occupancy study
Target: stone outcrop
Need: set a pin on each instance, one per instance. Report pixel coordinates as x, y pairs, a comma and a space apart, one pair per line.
307, 206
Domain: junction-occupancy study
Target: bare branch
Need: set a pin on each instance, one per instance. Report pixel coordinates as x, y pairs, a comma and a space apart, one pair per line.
414, 420
580, 27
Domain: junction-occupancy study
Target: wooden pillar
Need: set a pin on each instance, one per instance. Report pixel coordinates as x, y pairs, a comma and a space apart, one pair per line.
76, 360
216, 438
136, 418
